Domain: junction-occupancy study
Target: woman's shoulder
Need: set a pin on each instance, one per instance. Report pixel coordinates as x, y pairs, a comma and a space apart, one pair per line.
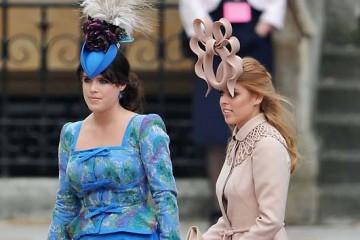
67, 134
146, 120
146, 124
272, 145
69, 131
149, 117
266, 132
70, 127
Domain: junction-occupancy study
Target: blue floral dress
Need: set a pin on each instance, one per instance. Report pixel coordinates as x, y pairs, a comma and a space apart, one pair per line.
104, 191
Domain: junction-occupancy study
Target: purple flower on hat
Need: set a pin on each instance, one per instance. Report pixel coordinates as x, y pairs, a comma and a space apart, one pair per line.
99, 34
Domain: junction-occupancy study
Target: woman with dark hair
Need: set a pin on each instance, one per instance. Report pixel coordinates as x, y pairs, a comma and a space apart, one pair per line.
119, 73
114, 159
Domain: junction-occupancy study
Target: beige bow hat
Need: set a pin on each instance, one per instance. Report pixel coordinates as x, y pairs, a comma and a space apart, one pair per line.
209, 36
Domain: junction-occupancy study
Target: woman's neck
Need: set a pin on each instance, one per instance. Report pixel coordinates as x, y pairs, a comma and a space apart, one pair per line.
109, 117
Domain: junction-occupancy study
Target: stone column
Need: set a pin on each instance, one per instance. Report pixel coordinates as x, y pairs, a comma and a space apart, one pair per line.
297, 51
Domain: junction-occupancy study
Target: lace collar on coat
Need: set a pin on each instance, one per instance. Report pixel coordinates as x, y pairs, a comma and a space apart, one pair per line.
243, 140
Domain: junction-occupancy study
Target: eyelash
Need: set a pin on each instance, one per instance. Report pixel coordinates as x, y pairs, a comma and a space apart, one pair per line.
102, 81
86, 79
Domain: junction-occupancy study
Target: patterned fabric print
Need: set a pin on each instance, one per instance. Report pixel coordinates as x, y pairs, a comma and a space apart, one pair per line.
67, 205
244, 148
105, 189
155, 154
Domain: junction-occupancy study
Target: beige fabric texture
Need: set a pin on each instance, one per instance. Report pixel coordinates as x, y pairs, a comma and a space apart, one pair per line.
253, 185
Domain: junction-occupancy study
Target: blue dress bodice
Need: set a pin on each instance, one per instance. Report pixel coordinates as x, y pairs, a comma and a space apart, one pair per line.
106, 189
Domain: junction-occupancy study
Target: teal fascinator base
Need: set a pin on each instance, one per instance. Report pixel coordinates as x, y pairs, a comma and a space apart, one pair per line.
95, 62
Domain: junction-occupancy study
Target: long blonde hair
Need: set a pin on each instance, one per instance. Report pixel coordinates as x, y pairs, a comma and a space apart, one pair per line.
257, 80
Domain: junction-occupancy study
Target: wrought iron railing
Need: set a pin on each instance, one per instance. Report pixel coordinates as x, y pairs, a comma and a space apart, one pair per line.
37, 98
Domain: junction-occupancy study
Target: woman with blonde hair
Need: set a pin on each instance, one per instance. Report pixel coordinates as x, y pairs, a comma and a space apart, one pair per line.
261, 154
257, 80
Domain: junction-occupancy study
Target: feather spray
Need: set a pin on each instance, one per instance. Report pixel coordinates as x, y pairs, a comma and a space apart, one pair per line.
130, 15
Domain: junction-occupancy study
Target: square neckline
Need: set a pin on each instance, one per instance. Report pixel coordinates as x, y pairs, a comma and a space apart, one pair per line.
77, 131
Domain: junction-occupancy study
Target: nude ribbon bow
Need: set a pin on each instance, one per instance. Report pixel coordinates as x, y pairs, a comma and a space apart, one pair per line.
214, 41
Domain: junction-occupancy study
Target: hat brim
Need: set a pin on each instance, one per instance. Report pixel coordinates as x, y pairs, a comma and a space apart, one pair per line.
94, 63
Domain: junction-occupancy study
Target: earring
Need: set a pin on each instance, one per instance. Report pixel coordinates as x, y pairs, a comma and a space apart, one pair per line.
121, 95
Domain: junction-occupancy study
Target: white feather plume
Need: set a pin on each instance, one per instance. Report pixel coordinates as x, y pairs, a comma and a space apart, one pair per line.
131, 15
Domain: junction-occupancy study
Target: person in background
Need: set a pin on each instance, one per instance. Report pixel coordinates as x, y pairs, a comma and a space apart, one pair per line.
110, 162
262, 152
253, 22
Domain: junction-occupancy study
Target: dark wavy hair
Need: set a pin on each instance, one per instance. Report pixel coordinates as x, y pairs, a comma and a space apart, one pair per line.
119, 73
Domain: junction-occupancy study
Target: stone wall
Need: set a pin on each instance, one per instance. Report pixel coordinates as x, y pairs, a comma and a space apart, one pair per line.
297, 60
337, 114
342, 25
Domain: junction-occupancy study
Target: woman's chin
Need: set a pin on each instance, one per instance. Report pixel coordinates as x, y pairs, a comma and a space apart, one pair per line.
94, 108
228, 121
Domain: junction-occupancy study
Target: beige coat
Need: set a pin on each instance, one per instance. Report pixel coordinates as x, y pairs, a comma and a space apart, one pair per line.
253, 185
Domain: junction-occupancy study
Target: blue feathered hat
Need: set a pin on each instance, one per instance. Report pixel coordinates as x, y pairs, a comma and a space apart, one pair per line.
94, 63
110, 23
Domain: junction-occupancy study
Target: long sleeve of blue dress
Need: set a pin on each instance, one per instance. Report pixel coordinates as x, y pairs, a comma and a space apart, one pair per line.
155, 154
104, 190
67, 205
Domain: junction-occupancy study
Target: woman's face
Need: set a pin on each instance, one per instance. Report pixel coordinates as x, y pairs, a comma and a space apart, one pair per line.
100, 94
241, 108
